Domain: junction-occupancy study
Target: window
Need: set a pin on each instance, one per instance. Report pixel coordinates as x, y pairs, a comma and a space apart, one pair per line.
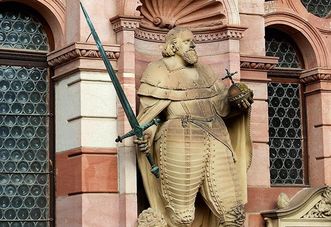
25, 179
285, 111
320, 8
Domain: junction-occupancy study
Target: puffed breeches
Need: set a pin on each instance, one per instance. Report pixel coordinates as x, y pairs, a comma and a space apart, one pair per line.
192, 161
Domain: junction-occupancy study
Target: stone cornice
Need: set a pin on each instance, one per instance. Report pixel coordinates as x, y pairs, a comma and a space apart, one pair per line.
301, 204
258, 63
80, 50
125, 23
200, 35
315, 75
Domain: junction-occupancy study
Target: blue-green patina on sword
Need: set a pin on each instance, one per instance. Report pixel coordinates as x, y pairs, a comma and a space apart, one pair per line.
137, 129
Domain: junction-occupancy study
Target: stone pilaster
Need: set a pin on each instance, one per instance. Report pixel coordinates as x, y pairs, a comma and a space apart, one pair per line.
254, 72
86, 119
318, 114
125, 34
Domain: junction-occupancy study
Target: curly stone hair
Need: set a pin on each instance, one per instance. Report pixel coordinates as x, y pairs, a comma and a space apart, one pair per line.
170, 48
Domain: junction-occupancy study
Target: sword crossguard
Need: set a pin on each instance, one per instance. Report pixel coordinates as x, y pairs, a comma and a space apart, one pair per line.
229, 75
155, 121
154, 168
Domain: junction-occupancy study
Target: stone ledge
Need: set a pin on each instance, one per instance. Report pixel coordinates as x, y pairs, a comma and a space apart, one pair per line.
81, 56
315, 75
258, 63
80, 50
200, 35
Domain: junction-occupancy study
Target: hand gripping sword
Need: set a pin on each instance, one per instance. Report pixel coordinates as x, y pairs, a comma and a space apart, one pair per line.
137, 130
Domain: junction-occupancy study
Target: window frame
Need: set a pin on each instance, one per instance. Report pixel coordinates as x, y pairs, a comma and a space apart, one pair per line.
36, 58
282, 75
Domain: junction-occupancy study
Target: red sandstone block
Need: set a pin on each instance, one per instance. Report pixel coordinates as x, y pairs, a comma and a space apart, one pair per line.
255, 220
260, 166
86, 170
99, 173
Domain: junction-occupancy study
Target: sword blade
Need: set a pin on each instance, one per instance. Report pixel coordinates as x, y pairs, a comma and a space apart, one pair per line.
138, 131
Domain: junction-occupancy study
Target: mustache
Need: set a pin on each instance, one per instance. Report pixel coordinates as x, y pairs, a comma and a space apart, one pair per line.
190, 56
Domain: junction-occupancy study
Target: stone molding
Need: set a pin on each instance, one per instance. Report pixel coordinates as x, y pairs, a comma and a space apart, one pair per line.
313, 204
258, 63
80, 50
315, 75
125, 23
200, 35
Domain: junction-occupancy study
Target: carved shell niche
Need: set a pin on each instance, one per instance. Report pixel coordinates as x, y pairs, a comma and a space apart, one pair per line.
166, 14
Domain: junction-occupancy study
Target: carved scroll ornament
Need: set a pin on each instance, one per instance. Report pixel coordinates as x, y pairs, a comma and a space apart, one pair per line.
323, 208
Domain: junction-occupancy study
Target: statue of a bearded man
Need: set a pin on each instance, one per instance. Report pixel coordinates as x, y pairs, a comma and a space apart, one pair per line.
202, 146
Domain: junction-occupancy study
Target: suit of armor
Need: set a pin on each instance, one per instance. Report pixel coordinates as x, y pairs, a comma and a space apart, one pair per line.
192, 145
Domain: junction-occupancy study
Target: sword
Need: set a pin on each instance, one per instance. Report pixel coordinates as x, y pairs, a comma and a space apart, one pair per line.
137, 129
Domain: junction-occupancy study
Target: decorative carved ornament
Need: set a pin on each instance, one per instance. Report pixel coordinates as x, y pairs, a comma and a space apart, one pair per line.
80, 50
200, 36
205, 18
323, 208
151, 218
310, 205
258, 63
315, 75
124, 23
166, 14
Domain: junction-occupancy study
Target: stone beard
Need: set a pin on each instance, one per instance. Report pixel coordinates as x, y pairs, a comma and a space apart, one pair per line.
190, 56
192, 146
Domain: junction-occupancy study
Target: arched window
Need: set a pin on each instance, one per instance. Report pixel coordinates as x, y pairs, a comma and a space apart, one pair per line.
320, 8
25, 142
286, 122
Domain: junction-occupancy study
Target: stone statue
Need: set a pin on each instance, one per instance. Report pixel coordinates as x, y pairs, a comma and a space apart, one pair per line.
202, 146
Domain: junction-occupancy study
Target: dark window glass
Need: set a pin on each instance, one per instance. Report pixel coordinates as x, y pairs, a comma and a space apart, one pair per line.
286, 164
24, 124
21, 31
320, 8
280, 45
24, 170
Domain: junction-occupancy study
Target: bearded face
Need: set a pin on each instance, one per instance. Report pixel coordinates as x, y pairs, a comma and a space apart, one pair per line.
190, 56
185, 49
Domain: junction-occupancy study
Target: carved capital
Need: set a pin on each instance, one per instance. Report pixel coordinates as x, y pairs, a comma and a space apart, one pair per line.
80, 50
125, 23
258, 63
315, 75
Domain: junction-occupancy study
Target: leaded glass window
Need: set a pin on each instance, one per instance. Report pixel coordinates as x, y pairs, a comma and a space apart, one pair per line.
278, 44
285, 133
25, 177
21, 31
320, 8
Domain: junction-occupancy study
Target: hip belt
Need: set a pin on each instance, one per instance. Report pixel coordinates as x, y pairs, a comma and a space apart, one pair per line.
199, 122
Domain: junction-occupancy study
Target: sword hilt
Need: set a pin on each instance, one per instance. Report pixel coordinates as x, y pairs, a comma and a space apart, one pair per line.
155, 121
154, 168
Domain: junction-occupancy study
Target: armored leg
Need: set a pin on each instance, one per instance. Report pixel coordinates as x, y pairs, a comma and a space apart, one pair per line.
221, 186
182, 161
